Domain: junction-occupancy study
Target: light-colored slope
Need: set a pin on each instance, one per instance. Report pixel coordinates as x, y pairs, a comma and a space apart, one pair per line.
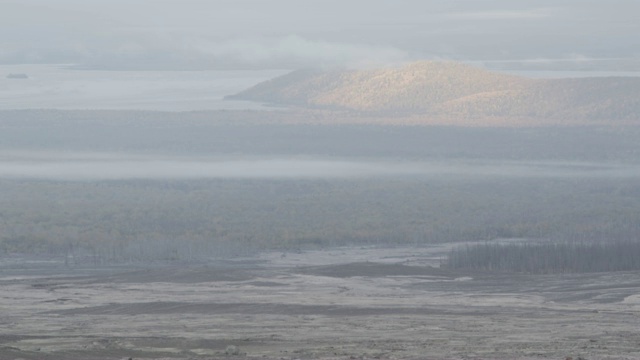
448, 89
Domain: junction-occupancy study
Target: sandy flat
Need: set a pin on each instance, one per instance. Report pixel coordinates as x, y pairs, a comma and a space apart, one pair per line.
340, 303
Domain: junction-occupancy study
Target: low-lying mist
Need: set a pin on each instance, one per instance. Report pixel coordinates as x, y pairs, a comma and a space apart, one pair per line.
100, 166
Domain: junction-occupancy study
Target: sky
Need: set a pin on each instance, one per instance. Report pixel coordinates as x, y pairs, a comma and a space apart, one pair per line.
286, 34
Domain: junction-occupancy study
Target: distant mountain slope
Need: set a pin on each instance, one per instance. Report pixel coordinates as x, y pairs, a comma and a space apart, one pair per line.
453, 89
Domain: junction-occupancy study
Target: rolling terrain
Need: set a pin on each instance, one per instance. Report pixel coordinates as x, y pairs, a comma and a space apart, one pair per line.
456, 91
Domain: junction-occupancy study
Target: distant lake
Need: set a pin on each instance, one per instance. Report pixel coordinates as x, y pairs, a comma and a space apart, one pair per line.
59, 87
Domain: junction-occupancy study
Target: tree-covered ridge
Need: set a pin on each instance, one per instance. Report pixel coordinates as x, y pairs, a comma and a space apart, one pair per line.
454, 89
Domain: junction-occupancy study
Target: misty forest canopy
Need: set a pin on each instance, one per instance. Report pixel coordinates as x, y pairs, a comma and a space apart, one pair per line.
562, 185
456, 90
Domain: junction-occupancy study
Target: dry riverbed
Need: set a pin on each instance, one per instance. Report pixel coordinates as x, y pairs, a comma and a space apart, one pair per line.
338, 304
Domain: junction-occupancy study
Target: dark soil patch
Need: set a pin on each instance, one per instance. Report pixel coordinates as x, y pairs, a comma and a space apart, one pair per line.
266, 284
372, 269
256, 309
185, 275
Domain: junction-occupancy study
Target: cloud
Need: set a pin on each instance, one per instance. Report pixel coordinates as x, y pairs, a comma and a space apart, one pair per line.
130, 48
502, 14
296, 51
197, 34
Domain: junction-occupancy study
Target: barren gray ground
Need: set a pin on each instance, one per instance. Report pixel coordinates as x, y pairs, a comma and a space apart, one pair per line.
356, 302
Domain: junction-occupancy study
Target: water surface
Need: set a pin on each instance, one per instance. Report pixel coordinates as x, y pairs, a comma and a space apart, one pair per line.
61, 87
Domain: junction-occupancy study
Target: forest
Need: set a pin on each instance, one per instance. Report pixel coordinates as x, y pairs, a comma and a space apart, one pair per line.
161, 220
549, 257
557, 183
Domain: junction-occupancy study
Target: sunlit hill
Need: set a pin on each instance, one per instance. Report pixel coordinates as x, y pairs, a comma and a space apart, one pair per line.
456, 90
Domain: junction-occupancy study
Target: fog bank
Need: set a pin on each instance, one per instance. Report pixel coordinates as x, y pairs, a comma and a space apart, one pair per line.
84, 166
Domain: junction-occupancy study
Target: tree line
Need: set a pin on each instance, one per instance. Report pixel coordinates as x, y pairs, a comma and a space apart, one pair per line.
548, 257
144, 221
